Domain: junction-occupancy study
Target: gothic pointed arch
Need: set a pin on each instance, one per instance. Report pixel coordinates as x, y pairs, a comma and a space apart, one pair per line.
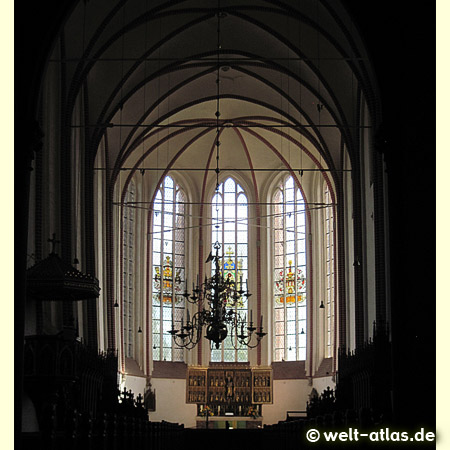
290, 275
230, 229
168, 268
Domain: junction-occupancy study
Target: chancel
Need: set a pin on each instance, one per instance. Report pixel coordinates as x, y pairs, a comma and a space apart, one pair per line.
216, 237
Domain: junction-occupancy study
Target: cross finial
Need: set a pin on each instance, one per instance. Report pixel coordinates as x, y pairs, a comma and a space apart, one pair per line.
54, 242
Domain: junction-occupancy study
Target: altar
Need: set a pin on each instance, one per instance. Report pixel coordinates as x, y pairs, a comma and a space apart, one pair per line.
229, 395
234, 422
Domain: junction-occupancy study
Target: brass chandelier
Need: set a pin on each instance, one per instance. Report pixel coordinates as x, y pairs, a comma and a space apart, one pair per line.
217, 299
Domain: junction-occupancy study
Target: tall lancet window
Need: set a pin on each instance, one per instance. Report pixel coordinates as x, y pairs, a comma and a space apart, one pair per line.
168, 244
230, 230
128, 224
289, 275
329, 271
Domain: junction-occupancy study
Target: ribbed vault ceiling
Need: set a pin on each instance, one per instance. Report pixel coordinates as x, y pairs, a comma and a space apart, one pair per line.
150, 70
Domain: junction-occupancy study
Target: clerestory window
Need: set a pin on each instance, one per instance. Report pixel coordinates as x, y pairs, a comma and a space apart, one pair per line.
230, 229
168, 268
128, 236
289, 272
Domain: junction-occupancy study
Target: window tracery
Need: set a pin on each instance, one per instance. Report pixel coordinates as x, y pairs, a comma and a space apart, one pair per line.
128, 236
168, 266
289, 272
230, 228
329, 262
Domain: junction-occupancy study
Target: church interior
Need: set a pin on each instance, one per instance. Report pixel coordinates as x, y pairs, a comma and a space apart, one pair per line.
224, 221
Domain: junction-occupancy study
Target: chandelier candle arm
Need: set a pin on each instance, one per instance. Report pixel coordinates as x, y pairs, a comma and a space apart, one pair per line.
218, 298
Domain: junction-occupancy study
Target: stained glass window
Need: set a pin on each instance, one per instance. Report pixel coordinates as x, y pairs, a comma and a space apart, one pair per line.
128, 224
329, 285
230, 229
289, 272
168, 265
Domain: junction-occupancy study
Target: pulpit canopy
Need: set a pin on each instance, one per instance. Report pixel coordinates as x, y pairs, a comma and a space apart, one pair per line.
53, 279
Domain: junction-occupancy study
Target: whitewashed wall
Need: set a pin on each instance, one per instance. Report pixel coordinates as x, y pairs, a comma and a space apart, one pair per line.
320, 384
136, 385
289, 395
171, 402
